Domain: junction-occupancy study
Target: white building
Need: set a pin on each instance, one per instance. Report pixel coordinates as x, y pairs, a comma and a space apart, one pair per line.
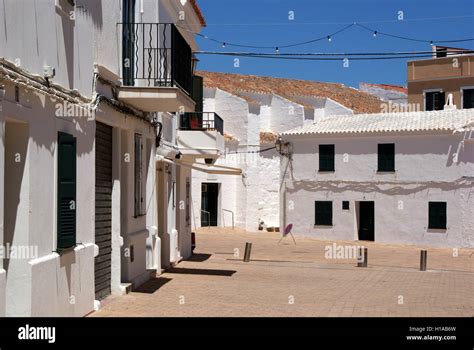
255, 110
402, 178
78, 127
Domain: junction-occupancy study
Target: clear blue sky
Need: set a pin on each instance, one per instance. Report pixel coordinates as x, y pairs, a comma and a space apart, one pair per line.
266, 23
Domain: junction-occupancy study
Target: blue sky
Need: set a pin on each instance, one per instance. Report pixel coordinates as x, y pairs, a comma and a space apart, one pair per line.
266, 23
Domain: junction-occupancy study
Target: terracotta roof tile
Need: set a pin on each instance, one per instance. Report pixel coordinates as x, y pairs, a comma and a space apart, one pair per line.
292, 89
268, 136
397, 88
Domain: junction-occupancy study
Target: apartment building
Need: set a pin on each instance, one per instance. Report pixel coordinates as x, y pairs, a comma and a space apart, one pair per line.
89, 95
450, 72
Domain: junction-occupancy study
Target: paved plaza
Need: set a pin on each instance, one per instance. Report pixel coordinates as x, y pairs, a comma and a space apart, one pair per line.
303, 280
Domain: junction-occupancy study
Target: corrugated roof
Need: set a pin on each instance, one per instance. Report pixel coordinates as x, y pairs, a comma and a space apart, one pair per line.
292, 89
447, 120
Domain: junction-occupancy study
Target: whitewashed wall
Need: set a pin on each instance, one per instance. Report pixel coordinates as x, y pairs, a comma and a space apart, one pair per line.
255, 196
425, 172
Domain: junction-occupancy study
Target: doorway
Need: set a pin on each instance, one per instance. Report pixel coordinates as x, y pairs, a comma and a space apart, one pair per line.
366, 221
209, 204
103, 210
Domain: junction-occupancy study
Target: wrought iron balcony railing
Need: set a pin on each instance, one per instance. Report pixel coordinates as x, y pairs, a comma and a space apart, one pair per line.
155, 54
201, 121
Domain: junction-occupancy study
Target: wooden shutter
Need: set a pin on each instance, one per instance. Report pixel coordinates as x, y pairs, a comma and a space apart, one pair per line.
437, 212
66, 191
138, 175
326, 157
386, 157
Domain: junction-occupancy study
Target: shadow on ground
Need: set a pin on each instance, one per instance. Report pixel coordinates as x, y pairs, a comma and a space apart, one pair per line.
209, 272
152, 285
199, 257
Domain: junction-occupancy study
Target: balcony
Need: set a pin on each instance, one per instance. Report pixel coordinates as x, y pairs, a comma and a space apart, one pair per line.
201, 135
156, 68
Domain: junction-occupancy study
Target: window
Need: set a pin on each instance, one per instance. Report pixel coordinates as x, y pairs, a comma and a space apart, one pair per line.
345, 205
66, 207
323, 213
386, 157
326, 157
138, 175
434, 100
437, 215
468, 98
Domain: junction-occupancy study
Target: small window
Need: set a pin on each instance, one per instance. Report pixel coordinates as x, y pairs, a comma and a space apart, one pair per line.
468, 98
437, 215
434, 101
323, 213
386, 157
138, 175
326, 157
345, 205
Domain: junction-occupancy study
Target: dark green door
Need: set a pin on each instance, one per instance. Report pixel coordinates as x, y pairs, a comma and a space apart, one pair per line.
366, 221
209, 204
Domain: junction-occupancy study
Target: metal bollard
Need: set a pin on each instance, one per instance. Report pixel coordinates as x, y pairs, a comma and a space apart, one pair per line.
423, 260
248, 249
362, 257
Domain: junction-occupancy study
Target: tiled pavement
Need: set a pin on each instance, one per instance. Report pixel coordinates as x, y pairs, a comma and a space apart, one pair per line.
289, 280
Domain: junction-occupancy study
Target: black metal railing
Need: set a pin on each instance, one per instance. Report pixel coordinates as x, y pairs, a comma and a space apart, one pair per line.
201, 121
155, 54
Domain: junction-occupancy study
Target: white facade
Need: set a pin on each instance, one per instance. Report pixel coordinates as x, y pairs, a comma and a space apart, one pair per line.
430, 166
253, 198
85, 53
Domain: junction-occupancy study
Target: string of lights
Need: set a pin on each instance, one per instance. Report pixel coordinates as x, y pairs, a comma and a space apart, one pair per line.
334, 56
329, 37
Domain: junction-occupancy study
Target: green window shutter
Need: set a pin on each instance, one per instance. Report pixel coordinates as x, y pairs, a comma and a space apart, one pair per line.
326, 157
323, 213
437, 215
66, 191
386, 157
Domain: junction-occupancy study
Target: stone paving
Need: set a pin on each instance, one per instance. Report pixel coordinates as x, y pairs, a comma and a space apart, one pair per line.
299, 280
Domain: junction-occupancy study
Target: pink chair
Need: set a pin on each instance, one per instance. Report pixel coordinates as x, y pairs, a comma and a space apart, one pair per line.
287, 232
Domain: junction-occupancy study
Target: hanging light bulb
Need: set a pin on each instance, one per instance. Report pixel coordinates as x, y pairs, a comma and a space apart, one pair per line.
329, 38
277, 50
223, 45
375, 34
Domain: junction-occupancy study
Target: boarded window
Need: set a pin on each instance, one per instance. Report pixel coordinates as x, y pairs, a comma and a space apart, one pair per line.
66, 191
138, 175
323, 213
437, 213
326, 157
386, 157
434, 101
